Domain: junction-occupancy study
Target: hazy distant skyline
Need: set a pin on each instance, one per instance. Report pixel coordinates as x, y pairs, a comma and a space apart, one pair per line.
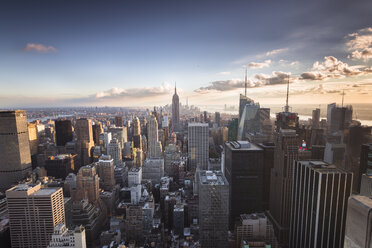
130, 53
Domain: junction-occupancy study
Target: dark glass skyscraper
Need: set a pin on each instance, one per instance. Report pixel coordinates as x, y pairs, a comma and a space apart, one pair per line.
175, 111
244, 171
63, 132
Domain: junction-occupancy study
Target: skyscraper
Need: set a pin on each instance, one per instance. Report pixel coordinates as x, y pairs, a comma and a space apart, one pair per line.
106, 172
34, 212
243, 100
85, 141
366, 159
153, 169
315, 118
319, 204
136, 126
15, 162
244, 171
87, 185
286, 150
268, 164
198, 145
33, 138
154, 145
338, 118
287, 119
249, 120
217, 118
175, 111
63, 132
97, 130
61, 165
213, 209
119, 121
115, 151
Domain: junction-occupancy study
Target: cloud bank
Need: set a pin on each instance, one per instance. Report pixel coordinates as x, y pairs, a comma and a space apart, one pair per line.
116, 93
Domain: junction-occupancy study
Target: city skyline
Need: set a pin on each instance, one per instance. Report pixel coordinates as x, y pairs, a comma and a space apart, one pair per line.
131, 54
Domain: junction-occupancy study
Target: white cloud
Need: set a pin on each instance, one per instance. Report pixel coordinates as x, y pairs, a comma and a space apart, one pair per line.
331, 67
360, 44
276, 51
39, 48
284, 62
364, 54
257, 65
224, 73
271, 53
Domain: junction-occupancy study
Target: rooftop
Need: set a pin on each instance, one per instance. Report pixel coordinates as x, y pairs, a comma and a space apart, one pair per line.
321, 166
60, 157
365, 200
198, 124
24, 190
252, 216
212, 178
242, 146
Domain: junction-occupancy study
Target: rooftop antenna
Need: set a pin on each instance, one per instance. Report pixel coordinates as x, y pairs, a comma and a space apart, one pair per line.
175, 87
286, 108
343, 94
245, 82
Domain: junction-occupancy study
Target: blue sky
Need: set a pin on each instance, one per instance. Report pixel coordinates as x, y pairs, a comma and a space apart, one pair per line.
126, 53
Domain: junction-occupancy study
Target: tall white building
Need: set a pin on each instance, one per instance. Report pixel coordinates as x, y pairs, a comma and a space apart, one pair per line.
64, 238
154, 145
114, 150
198, 145
134, 176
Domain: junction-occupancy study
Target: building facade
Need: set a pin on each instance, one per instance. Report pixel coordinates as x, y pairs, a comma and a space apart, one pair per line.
154, 145
84, 134
34, 212
106, 172
15, 162
175, 111
198, 145
320, 193
213, 191
64, 238
64, 132
244, 171
358, 232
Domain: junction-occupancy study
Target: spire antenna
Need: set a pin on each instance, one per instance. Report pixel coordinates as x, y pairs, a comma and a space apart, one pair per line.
245, 82
175, 87
343, 95
286, 102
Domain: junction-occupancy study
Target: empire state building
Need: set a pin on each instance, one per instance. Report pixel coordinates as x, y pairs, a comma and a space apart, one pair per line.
175, 111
